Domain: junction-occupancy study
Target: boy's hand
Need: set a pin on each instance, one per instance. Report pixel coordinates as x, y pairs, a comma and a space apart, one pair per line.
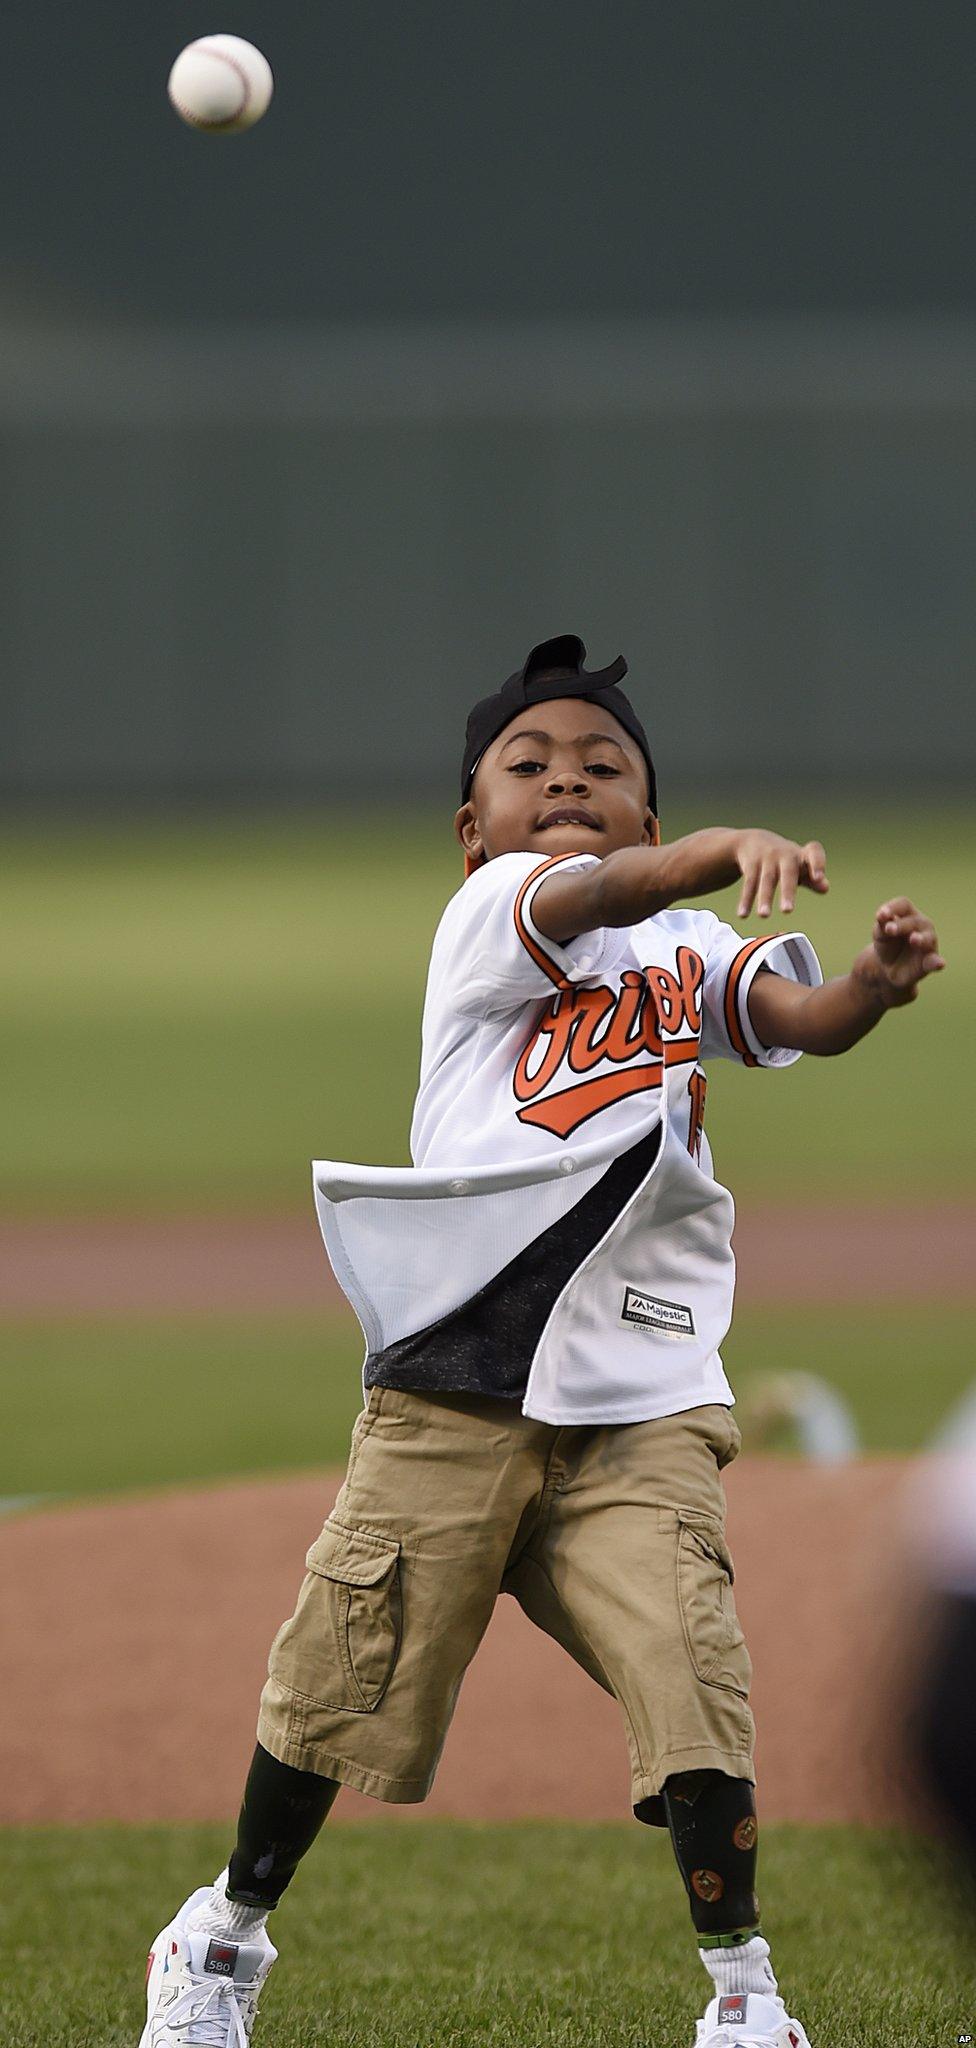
904, 949
831, 1019
767, 863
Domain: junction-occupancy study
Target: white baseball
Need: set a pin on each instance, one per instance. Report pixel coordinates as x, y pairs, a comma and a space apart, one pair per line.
220, 85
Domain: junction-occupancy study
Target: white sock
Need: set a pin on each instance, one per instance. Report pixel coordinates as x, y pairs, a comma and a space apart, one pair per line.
745, 1967
223, 1917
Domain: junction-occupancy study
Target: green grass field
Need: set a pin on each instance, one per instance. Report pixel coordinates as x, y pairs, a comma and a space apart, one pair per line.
92, 1407
520, 1936
191, 1013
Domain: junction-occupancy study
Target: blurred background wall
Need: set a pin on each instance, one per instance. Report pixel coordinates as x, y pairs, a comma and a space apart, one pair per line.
656, 324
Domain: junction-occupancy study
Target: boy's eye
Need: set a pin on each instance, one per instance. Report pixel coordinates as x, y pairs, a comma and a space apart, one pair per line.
591, 767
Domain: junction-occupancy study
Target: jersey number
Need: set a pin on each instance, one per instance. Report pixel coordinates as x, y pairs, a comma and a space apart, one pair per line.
697, 1088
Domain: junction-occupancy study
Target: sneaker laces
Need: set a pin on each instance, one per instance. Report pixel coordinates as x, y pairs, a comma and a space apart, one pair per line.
211, 2015
727, 2040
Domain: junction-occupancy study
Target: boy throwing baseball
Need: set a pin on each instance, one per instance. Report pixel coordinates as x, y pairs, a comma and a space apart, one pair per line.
543, 1295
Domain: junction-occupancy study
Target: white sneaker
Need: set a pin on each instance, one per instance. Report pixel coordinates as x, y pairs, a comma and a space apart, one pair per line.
749, 2019
202, 1992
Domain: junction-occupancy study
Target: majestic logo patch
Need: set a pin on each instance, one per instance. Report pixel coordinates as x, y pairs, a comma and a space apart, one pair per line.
649, 1312
746, 1832
221, 1959
732, 2008
707, 1885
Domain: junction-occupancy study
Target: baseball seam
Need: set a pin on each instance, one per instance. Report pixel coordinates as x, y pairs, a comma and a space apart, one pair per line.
224, 57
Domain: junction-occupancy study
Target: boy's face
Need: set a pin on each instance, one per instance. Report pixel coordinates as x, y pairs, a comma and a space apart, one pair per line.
562, 777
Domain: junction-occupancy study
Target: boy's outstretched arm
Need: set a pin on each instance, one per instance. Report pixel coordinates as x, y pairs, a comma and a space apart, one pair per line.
903, 950
637, 881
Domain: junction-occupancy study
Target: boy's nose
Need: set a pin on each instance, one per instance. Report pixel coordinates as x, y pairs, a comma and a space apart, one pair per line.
559, 785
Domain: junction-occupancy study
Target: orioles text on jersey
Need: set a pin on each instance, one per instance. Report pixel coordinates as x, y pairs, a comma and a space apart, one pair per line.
652, 1021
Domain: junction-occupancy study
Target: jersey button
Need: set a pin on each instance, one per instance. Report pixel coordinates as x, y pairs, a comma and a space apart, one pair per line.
458, 1187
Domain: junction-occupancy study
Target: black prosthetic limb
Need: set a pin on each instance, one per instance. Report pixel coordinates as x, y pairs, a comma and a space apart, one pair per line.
712, 1823
282, 1813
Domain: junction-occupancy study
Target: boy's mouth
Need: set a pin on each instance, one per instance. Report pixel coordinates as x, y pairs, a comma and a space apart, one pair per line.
569, 814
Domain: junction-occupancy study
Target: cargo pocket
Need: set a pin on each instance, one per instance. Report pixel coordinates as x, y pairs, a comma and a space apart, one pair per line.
341, 1645
716, 1644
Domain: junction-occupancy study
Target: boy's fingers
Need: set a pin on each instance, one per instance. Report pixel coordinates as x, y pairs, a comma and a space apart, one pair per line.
767, 885
912, 935
816, 860
812, 878
788, 877
750, 876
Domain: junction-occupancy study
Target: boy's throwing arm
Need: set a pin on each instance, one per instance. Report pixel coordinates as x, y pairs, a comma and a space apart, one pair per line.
638, 881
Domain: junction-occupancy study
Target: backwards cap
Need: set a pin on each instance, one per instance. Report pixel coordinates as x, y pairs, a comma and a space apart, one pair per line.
553, 669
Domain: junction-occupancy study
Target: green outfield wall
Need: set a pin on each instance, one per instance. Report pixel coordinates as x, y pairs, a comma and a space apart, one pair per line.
270, 561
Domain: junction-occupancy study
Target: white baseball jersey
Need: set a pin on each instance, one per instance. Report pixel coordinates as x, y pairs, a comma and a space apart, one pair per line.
560, 1237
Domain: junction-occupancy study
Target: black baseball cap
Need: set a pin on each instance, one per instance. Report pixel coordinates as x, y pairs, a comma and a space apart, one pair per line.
553, 669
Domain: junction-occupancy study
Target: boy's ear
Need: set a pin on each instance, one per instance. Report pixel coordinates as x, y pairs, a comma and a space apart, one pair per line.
467, 831
652, 826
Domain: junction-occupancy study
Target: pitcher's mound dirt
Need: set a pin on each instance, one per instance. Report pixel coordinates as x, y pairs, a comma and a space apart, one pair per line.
136, 1636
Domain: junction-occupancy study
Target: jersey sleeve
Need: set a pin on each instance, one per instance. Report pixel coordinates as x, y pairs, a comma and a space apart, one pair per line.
731, 966
489, 954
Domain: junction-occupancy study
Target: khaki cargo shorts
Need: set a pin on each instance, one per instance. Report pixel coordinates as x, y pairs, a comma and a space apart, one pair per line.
611, 1539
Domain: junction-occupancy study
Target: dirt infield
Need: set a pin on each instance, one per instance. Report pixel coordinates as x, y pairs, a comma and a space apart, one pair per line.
137, 1632
140, 1630
138, 1265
